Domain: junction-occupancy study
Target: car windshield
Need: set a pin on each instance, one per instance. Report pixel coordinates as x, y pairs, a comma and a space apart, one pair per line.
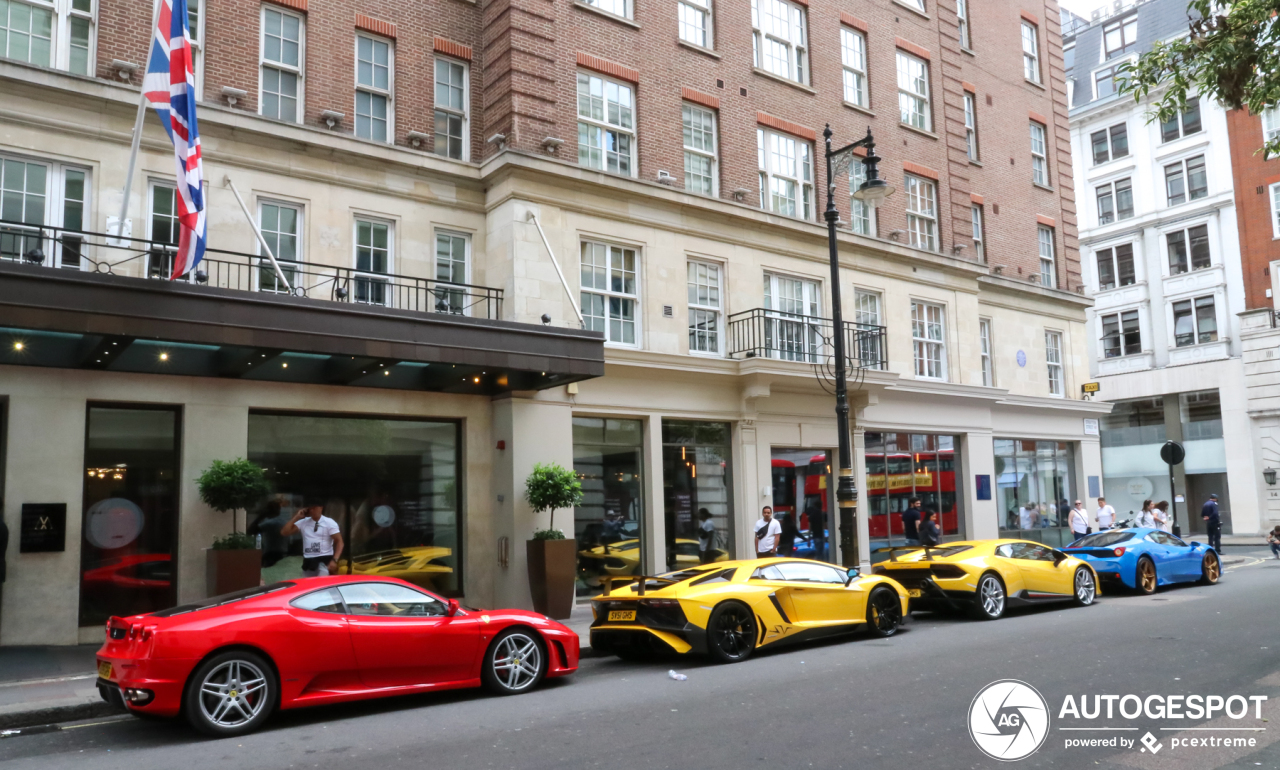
1103, 539
216, 601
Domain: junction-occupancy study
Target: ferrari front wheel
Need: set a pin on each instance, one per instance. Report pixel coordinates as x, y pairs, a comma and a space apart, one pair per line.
1146, 573
1086, 589
1210, 568
515, 662
231, 694
884, 612
731, 632
988, 601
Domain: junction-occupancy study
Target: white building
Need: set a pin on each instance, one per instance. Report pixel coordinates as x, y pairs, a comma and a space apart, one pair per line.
1160, 255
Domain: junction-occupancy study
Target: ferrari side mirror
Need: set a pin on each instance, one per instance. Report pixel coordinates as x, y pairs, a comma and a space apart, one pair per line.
453, 608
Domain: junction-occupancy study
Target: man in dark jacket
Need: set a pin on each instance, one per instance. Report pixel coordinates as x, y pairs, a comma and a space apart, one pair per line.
911, 522
1213, 522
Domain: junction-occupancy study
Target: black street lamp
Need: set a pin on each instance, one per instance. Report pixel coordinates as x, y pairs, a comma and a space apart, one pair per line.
870, 192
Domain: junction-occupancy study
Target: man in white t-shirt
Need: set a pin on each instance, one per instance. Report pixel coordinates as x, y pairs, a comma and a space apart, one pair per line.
1027, 516
1106, 514
321, 541
768, 530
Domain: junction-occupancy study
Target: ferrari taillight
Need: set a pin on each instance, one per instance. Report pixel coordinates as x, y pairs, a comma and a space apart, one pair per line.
1118, 552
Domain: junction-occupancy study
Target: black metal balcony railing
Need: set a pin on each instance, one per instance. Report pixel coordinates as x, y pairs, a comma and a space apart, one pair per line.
761, 333
56, 247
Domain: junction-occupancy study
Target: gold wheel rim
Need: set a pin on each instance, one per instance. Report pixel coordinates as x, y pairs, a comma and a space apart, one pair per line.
1211, 566
1148, 577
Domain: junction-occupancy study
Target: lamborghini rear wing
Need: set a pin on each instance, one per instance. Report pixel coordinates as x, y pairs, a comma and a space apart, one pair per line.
609, 580
894, 549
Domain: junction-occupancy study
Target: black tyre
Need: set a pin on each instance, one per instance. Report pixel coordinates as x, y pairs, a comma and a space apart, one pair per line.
989, 599
1084, 587
1145, 576
884, 612
514, 663
1210, 569
231, 694
731, 632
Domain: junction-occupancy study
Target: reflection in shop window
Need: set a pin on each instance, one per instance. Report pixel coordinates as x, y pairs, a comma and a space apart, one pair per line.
697, 484
608, 522
392, 486
130, 524
803, 502
1035, 482
901, 466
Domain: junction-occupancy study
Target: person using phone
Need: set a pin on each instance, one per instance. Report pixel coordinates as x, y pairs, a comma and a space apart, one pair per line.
321, 540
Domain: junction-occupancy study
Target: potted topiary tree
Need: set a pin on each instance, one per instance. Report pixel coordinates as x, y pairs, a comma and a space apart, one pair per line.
234, 562
552, 557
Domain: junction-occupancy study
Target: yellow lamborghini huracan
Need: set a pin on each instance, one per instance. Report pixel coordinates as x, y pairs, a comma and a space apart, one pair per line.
984, 577
730, 608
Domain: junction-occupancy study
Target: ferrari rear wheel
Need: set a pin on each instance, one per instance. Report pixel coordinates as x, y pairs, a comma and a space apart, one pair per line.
231, 694
989, 600
1146, 574
884, 612
515, 662
1086, 589
1210, 569
731, 632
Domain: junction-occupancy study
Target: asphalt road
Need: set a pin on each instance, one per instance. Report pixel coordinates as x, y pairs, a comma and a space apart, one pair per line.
855, 702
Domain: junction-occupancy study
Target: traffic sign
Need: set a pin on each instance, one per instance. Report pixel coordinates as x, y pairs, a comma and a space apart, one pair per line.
1172, 453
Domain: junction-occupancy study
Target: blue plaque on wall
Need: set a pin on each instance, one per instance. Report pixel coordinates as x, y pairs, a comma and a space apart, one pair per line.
984, 486
1095, 489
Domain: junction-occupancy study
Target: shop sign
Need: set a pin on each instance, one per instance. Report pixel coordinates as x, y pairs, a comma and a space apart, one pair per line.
44, 528
1090, 426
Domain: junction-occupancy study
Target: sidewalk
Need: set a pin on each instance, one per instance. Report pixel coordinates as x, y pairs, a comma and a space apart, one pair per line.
39, 685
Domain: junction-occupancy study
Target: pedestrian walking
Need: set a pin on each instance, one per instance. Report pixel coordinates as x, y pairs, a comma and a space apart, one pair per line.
1144, 518
1213, 522
706, 536
1106, 514
1162, 518
1273, 540
321, 541
911, 522
929, 533
1078, 519
787, 540
768, 532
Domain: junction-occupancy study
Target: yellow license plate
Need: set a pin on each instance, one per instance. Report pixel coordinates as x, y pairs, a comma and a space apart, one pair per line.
616, 616
104, 670
914, 592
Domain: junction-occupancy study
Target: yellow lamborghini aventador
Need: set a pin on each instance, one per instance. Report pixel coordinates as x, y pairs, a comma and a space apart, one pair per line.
730, 608
416, 564
984, 577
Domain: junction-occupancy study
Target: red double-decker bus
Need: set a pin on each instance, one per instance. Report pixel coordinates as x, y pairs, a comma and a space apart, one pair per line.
893, 478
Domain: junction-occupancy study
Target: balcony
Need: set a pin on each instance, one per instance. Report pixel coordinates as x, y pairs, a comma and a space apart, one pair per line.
136, 257
77, 300
762, 333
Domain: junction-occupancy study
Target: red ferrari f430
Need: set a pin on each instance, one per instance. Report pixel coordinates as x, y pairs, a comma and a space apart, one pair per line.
226, 663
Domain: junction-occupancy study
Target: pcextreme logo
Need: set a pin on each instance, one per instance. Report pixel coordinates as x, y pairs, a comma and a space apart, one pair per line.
1009, 720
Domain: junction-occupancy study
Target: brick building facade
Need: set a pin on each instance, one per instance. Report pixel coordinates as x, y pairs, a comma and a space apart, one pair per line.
525, 231
1257, 183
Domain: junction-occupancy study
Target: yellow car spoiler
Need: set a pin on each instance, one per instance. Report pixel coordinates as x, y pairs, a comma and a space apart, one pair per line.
609, 580
893, 551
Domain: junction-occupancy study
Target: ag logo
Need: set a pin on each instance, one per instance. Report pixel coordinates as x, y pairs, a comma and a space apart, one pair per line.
1008, 720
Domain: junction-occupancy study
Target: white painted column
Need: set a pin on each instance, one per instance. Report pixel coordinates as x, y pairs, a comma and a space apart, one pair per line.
654, 521
977, 457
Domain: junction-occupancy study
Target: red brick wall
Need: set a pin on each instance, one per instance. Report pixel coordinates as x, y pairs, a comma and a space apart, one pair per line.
1253, 176
523, 84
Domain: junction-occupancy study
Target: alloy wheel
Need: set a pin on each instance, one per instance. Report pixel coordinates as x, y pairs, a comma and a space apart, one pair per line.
517, 662
735, 632
1212, 568
886, 612
233, 693
1147, 576
1086, 591
991, 595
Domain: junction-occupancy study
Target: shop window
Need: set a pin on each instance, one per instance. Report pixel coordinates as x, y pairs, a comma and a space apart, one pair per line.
393, 487
803, 501
901, 466
608, 523
130, 530
1134, 423
697, 482
1035, 482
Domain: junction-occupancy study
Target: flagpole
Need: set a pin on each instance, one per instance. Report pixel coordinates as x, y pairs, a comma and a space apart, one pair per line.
137, 130
262, 240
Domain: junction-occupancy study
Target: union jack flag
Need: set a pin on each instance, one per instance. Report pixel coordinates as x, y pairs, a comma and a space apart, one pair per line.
170, 89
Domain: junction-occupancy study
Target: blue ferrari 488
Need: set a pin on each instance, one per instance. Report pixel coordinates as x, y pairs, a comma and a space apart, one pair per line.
1144, 559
